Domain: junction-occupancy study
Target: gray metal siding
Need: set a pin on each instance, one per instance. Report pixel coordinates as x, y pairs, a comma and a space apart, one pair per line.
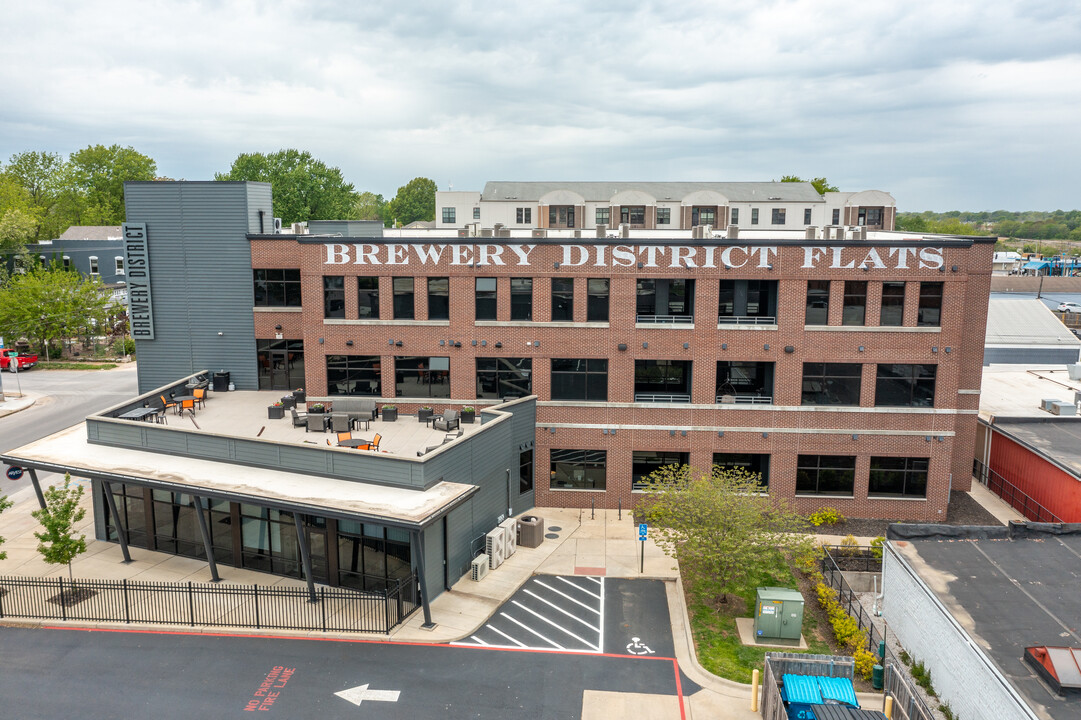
433, 559
1032, 355
201, 277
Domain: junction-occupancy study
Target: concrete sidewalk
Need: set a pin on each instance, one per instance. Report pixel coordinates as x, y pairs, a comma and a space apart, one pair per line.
14, 402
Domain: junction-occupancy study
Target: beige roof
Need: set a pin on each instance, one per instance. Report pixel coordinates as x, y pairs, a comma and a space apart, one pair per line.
1013, 320
91, 232
1009, 391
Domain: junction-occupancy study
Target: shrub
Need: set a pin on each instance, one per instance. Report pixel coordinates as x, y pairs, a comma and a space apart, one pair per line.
825, 516
876, 546
124, 346
845, 628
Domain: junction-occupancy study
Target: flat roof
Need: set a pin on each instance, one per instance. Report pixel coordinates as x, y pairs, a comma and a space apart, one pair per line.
1024, 320
1057, 439
71, 451
1016, 391
1008, 595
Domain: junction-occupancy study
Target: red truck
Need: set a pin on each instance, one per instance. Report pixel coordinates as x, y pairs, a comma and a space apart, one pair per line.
22, 361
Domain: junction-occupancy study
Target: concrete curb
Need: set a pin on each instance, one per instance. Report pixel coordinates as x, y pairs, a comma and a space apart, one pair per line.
32, 397
685, 650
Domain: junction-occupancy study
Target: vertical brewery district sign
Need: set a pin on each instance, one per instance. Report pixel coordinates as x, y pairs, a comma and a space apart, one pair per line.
137, 270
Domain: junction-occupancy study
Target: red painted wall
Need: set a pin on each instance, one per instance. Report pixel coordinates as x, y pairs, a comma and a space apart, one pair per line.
1047, 484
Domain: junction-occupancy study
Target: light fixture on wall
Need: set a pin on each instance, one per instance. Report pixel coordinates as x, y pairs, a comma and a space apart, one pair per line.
277, 327
720, 433
671, 433
934, 349
855, 436
499, 344
321, 341
398, 343
789, 349
766, 346
861, 348
765, 435
645, 345
349, 343
473, 343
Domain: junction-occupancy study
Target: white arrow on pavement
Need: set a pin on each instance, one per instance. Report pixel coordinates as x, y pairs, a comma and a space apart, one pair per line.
360, 693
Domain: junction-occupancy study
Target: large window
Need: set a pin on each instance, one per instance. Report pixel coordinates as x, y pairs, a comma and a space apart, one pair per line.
930, 312
905, 386
778, 216
854, 311
448, 215
836, 220
665, 301
831, 383
270, 540
521, 298
872, 217
333, 296
662, 380
747, 302
898, 477
826, 475
504, 377
664, 216
744, 382
597, 300
602, 215
584, 379
633, 215
368, 298
371, 557
562, 299
403, 298
131, 506
578, 469
422, 377
354, 375
281, 364
644, 462
486, 299
561, 216
807, 216
523, 215
525, 471
754, 216
751, 464
703, 215
273, 288
438, 298
818, 302
893, 304
735, 216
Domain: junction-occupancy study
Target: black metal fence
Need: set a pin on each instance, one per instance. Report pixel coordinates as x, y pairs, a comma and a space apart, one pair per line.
1017, 498
203, 604
839, 559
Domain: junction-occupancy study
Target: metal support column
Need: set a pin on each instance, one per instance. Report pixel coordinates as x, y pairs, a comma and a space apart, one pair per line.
37, 487
305, 558
206, 538
418, 553
121, 531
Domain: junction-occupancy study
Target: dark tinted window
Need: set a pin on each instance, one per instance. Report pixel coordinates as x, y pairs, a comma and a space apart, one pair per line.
898, 477
597, 300
368, 298
403, 298
333, 296
439, 298
277, 288
818, 302
521, 298
486, 299
854, 311
562, 299
831, 383
504, 377
930, 312
584, 379
905, 385
825, 475
893, 304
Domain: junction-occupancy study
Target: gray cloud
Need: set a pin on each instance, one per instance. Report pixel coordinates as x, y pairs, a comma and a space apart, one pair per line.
947, 105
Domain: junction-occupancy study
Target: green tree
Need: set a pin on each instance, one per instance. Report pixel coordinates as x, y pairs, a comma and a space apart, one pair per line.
4, 505
46, 179
820, 183
50, 303
58, 544
368, 206
717, 523
303, 187
415, 201
99, 174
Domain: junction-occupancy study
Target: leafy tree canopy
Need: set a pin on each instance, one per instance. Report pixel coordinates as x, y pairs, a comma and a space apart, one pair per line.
717, 523
820, 183
4, 505
50, 303
368, 206
415, 201
60, 544
304, 188
99, 174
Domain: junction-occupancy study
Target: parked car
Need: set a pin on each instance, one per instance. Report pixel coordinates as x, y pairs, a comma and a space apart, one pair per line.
14, 360
1069, 307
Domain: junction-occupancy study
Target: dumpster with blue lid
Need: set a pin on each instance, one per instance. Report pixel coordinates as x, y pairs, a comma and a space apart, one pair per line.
801, 692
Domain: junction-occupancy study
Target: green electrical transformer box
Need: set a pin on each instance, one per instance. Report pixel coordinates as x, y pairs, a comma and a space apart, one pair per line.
778, 614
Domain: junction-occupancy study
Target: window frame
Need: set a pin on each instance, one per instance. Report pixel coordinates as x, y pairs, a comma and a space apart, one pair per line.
516, 303
804, 468
503, 374
489, 298
591, 373
269, 290
778, 216
403, 289
439, 298
754, 216
832, 377
816, 290
562, 309
664, 216
429, 375
332, 294
807, 216
356, 369
735, 461
910, 473
449, 215
893, 303
929, 311
912, 379
523, 215
602, 211
854, 303
593, 463
597, 299
663, 457
734, 212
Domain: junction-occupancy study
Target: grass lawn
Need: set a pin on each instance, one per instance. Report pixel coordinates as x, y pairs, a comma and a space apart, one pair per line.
56, 365
714, 624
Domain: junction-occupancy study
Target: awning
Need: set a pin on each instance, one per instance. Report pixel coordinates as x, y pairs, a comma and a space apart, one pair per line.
1036, 265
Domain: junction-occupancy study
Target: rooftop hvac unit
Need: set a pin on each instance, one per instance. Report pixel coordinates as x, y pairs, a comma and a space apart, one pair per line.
1063, 408
510, 536
1076, 396
277, 226
495, 547
1046, 403
479, 567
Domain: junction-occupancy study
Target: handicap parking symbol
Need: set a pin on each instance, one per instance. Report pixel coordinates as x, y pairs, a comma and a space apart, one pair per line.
637, 647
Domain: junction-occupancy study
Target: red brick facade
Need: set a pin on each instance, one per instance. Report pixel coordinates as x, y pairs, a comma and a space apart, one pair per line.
783, 429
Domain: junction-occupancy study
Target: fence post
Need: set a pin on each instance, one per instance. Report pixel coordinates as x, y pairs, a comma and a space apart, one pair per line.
63, 602
191, 604
386, 610
255, 591
127, 608
323, 606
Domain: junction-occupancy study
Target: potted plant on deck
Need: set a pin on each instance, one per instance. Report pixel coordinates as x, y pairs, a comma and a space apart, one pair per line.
299, 395
275, 411
317, 408
389, 413
469, 414
424, 413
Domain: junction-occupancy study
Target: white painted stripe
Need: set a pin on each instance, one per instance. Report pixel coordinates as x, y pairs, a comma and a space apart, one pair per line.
556, 607
479, 641
557, 592
578, 587
596, 580
557, 627
493, 627
526, 627
600, 642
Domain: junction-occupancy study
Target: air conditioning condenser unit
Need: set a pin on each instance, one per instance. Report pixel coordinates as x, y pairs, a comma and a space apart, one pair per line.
479, 567
495, 547
510, 536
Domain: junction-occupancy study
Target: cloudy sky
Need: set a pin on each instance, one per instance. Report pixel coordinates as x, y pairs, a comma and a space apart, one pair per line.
948, 104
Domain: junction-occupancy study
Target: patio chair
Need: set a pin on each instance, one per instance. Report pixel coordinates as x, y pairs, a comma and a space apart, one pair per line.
373, 445
317, 422
339, 422
366, 409
187, 406
299, 419
448, 422
344, 436
159, 417
200, 396
167, 404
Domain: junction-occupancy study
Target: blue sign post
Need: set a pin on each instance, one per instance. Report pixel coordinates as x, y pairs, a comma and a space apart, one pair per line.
14, 473
642, 528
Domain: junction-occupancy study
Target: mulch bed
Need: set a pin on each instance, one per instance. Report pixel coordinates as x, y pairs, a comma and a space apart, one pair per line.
962, 510
72, 597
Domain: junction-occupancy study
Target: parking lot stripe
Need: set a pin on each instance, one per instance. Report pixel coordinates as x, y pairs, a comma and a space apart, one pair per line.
578, 587
493, 627
556, 607
477, 639
594, 610
526, 627
556, 626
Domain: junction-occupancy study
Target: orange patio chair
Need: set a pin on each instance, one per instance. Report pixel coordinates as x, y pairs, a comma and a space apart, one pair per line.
200, 396
373, 445
187, 405
166, 404
345, 436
